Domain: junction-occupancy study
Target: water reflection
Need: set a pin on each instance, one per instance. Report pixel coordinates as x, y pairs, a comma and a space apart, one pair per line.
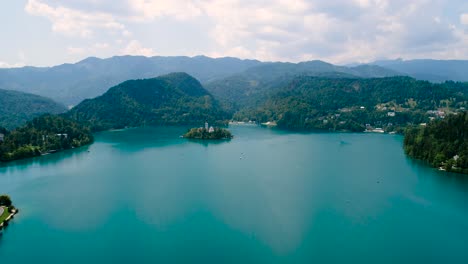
47, 160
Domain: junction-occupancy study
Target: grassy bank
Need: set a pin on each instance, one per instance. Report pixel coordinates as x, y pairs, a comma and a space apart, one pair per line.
4, 215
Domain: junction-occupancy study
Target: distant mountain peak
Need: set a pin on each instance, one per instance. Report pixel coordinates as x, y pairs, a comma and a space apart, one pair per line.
89, 60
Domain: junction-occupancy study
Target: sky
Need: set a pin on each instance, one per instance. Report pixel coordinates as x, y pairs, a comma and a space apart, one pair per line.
52, 32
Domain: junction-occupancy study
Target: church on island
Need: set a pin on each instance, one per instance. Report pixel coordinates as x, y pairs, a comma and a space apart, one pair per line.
208, 132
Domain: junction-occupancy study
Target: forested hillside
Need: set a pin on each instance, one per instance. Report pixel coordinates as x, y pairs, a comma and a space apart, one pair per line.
357, 104
16, 108
248, 88
442, 143
173, 99
42, 135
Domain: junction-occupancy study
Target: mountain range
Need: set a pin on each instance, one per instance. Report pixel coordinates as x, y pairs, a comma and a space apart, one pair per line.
71, 83
247, 88
429, 70
231, 84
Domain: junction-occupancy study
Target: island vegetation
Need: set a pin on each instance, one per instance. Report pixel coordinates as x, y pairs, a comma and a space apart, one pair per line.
43, 135
6, 210
211, 133
442, 143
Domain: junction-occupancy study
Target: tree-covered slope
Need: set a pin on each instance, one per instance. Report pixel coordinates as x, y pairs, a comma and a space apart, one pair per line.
48, 133
351, 103
249, 87
172, 99
16, 108
442, 143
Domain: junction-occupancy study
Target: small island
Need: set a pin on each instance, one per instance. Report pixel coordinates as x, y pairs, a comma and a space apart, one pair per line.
7, 210
208, 133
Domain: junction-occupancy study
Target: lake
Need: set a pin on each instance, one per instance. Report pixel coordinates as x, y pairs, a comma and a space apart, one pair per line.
147, 196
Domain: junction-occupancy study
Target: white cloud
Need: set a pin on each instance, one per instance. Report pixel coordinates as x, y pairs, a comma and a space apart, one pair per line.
11, 65
90, 50
72, 22
464, 19
101, 45
20, 63
338, 31
134, 47
76, 50
363, 3
181, 10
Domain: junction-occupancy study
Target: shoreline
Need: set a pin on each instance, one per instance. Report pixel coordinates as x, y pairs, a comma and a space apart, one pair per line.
5, 222
232, 123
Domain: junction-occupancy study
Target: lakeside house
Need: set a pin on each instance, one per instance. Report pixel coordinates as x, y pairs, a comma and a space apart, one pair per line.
60, 135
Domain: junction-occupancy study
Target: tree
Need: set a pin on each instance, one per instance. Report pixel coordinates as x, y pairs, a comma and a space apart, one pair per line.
5, 200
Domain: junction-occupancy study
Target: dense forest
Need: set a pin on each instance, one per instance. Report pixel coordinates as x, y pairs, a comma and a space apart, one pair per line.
173, 99
442, 143
352, 104
16, 108
43, 135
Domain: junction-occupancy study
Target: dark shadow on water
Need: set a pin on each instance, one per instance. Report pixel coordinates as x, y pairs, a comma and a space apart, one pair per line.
50, 159
134, 140
208, 142
424, 169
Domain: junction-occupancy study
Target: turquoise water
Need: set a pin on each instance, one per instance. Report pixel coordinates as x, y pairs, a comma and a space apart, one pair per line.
147, 196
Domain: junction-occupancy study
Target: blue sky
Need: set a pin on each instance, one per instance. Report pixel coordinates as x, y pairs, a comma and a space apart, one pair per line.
50, 32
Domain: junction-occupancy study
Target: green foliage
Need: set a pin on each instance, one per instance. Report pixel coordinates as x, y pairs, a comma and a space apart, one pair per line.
174, 99
5, 200
202, 133
248, 88
44, 134
351, 103
442, 143
17, 108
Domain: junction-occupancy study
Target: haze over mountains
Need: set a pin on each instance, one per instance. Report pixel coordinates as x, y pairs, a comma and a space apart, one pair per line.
430, 70
71, 83
245, 87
